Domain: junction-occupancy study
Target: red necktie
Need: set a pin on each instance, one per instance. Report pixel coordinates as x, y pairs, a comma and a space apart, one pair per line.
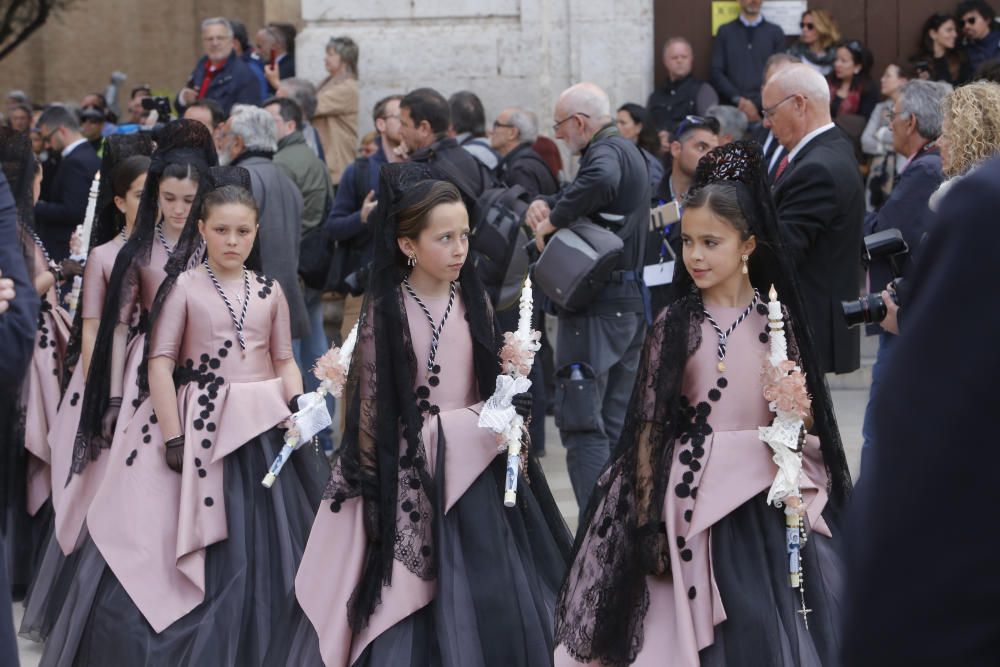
781, 168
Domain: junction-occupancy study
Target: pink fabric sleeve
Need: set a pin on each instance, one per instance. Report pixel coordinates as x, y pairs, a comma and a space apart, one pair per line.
168, 331
281, 328
94, 288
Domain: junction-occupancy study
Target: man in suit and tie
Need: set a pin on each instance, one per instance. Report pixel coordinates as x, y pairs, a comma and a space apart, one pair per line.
821, 205
58, 216
773, 150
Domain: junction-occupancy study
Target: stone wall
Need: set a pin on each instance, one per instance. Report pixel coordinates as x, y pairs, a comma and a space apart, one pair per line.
509, 52
156, 43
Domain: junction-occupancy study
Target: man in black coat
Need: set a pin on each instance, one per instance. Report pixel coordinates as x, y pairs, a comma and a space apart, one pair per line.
57, 217
739, 53
922, 549
603, 340
220, 74
916, 125
514, 131
821, 205
18, 323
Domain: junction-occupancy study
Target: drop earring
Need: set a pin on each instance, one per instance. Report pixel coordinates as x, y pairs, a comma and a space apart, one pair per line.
745, 269
411, 261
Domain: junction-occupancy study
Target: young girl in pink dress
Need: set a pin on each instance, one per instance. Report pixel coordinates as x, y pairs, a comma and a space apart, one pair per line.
680, 560
28, 514
199, 554
123, 175
413, 559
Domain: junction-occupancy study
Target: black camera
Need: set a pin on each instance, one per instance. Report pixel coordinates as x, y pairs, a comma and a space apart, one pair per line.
161, 105
870, 308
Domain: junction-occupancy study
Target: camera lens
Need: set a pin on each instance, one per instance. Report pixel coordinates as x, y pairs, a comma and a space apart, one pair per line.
869, 309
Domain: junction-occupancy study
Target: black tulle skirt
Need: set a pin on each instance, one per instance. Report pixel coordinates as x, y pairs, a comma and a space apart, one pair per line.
764, 626
499, 571
49, 589
248, 577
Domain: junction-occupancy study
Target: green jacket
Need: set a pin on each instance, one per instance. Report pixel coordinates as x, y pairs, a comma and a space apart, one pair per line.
309, 174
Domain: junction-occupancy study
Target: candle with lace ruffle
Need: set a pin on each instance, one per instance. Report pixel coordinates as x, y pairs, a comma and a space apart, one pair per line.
83, 231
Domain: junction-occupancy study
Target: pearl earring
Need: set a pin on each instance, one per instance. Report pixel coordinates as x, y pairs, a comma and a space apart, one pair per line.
745, 269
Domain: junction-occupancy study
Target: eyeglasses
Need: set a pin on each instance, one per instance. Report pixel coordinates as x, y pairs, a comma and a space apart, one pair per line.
695, 122
47, 137
768, 112
497, 124
217, 38
558, 123
806, 26
892, 114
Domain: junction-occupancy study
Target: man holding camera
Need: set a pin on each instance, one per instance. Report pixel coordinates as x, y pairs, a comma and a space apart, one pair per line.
915, 121
598, 346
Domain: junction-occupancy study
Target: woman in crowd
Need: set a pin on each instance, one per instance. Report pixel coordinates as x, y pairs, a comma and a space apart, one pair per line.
680, 559
876, 141
970, 131
336, 118
634, 124
817, 40
26, 474
852, 92
937, 52
431, 567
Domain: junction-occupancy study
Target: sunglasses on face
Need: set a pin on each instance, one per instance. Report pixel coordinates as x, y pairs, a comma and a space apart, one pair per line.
970, 20
806, 26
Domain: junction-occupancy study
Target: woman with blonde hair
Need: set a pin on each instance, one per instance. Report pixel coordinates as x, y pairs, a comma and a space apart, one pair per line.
336, 118
970, 132
816, 41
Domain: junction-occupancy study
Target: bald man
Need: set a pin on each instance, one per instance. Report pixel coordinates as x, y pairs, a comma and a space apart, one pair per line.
820, 200
603, 340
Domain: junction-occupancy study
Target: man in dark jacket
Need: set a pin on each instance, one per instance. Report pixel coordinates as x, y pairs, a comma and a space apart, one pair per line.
57, 217
221, 74
424, 117
739, 53
920, 551
514, 131
916, 125
602, 341
18, 325
821, 205
977, 21
681, 94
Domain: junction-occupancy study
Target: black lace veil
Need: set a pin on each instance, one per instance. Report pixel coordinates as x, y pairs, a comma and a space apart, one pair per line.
108, 220
622, 537
382, 458
18, 163
182, 142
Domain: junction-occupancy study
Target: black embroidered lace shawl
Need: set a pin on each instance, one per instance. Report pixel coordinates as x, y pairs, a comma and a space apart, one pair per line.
622, 537
393, 479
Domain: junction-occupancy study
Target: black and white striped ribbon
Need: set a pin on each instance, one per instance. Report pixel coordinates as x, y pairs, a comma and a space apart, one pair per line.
435, 330
41, 246
724, 335
163, 239
237, 323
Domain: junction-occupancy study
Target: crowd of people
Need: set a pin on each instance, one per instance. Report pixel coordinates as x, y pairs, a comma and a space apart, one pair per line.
166, 276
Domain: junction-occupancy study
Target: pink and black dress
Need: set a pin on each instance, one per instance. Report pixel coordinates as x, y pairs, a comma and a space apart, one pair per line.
192, 568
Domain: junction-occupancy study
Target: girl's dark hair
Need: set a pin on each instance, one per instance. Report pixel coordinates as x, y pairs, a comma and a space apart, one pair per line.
648, 138
415, 206
182, 172
721, 198
125, 173
229, 194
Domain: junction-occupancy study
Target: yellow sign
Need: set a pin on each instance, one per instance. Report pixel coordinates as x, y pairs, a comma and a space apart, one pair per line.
723, 11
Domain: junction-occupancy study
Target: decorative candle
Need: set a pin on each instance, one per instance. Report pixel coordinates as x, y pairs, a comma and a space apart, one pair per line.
84, 232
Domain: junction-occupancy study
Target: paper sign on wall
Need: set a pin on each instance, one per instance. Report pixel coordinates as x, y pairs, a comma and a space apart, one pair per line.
785, 13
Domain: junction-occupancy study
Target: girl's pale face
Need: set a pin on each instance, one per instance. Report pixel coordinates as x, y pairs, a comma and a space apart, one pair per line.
712, 249
843, 66
129, 204
443, 245
945, 36
626, 126
176, 198
809, 35
229, 233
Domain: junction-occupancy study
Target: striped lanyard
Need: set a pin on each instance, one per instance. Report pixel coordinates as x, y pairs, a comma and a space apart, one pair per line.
724, 335
435, 329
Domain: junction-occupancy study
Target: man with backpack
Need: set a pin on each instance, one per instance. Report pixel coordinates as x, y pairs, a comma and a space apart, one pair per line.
356, 199
514, 131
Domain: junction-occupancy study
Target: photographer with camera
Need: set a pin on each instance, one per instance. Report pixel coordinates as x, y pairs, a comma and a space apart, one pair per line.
915, 121
599, 342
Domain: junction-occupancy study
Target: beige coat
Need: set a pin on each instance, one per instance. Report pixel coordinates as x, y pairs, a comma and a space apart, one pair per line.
336, 122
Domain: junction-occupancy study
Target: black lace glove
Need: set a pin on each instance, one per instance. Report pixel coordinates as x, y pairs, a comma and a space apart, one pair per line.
175, 453
110, 418
522, 405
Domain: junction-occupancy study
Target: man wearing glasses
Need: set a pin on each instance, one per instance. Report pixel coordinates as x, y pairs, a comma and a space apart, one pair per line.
976, 18
220, 75
597, 346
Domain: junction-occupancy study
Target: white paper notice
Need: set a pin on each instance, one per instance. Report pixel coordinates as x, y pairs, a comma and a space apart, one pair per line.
658, 274
786, 13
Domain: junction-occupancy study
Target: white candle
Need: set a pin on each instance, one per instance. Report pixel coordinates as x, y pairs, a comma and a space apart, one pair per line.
348, 347
524, 316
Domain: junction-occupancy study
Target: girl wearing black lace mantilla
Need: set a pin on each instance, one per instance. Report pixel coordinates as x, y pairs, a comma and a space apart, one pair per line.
680, 560
413, 559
